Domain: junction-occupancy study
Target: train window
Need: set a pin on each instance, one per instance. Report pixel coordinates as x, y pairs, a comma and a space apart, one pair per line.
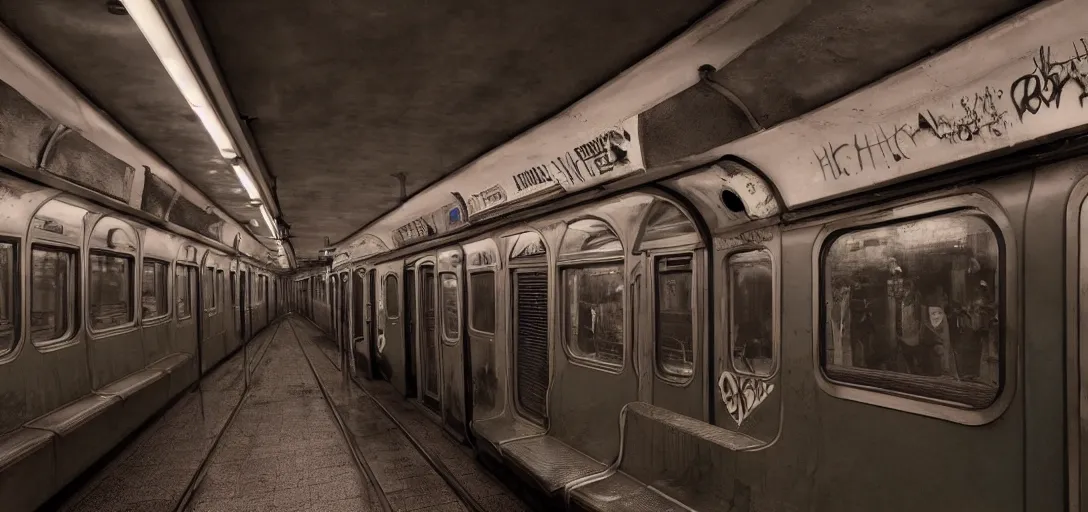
482, 302
9, 273
219, 285
153, 301
751, 302
674, 327
110, 290
667, 226
52, 294
913, 307
208, 285
451, 314
594, 307
183, 287
392, 301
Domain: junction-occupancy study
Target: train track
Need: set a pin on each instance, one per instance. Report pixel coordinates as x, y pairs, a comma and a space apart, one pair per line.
458, 488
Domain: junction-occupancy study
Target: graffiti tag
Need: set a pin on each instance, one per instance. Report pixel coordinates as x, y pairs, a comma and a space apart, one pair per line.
980, 118
741, 394
1043, 87
882, 146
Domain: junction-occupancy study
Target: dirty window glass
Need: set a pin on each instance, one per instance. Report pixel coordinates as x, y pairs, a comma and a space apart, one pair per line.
751, 301
594, 312
674, 347
914, 307
451, 314
153, 302
208, 285
590, 236
110, 290
482, 307
392, 302
51, 294
8, 309
184, 290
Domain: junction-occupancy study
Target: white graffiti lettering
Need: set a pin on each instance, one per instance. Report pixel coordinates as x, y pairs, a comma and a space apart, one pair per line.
741, 394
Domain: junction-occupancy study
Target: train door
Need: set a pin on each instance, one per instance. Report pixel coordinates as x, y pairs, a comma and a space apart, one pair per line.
452, 346
668, 284
234, 302
360, 343
187, 322
370, 307
411, 349
243, 305
342, 317
482, 366
427, 340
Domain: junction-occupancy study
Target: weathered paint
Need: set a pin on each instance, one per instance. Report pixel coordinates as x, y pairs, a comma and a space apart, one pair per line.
1002, 88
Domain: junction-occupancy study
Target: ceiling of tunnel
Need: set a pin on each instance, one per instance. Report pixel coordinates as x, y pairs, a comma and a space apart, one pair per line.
341, 96
108, 59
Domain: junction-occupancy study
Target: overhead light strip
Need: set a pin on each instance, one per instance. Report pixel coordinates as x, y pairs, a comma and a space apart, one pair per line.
151, 23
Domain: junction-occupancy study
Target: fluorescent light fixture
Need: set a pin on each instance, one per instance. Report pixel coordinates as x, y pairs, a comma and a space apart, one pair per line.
151, 23
247, 181
271, 223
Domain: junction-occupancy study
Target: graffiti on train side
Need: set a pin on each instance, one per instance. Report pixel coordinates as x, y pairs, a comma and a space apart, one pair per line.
1043, 87
982, 117
742, 394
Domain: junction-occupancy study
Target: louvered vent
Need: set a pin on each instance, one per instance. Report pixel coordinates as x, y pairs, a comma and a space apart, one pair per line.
77, 159
157, 195
186, 214
531, 342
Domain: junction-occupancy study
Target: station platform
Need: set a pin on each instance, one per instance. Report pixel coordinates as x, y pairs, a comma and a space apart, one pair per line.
294, 434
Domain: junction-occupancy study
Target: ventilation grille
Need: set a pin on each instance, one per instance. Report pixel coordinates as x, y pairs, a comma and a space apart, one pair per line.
157, 195
531, 339
78, 160
186, 214
24, 130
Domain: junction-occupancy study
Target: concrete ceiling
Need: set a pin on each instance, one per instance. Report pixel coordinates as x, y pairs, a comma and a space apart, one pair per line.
342, 95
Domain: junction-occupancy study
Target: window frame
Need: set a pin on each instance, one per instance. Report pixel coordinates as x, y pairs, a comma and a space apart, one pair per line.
15, 298
385, 294
1008, 293
74, 279
696, 330
776, 308
189, 267
473, 330
169, 307
460, 308
564, 325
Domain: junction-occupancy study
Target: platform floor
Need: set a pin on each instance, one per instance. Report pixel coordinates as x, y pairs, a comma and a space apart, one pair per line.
284, 448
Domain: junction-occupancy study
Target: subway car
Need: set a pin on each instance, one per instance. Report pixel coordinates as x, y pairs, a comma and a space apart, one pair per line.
887, 321
104, 320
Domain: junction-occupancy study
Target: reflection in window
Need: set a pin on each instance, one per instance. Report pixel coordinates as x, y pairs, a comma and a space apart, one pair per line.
482, 307
392, 302
7, 297
451, 316
594, 306
590, 235
153, 302
51, 298
751, 300
110, 290
183, 287
674, 347
914, 307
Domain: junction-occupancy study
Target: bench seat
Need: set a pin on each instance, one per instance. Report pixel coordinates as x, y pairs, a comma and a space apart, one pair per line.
618, 492
141, 393
27, 468
552, 463
180, 368
503, 429
84, 431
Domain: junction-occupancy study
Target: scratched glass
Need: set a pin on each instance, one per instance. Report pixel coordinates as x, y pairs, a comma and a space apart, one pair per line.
51, 300
482, 301
110, 290
751, 315
450, 292
153, 302
674, 331
7, 297
594, 313
914, 307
